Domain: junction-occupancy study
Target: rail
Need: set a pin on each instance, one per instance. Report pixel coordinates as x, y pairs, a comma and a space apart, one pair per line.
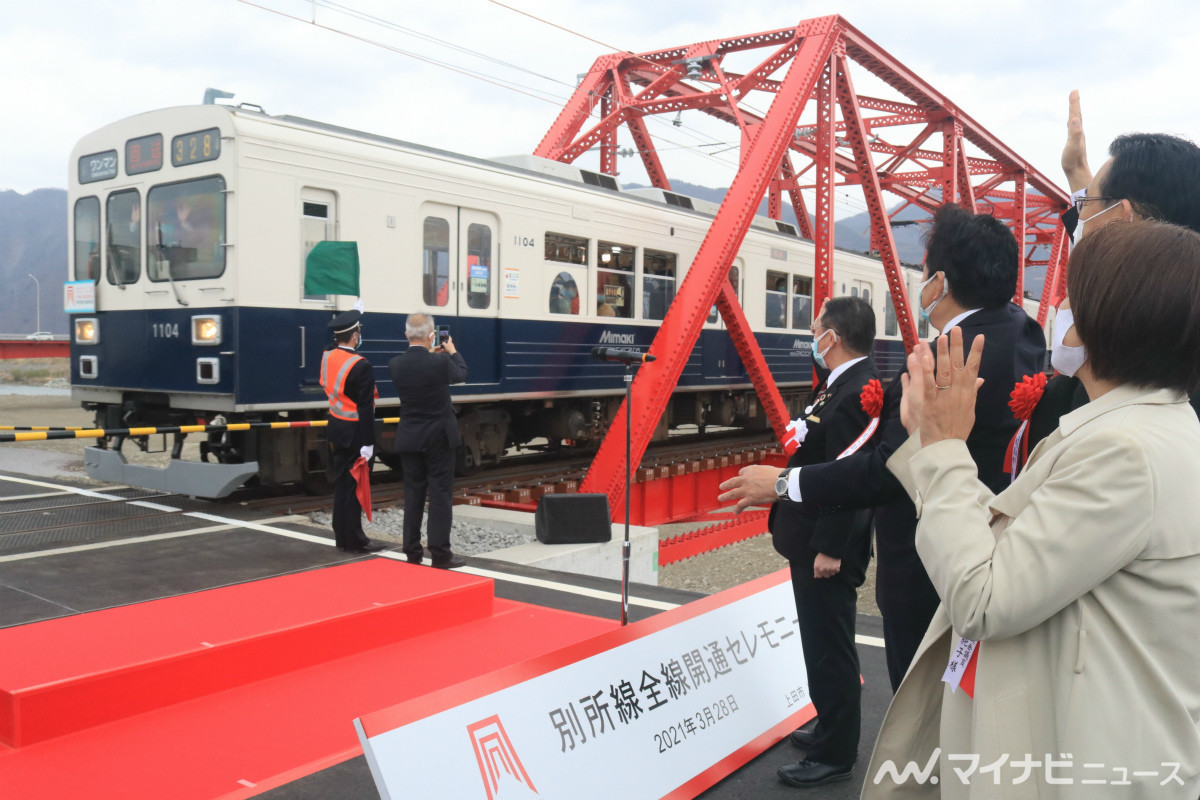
37, 434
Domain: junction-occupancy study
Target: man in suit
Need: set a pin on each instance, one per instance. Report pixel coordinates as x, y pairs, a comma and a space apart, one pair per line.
828, 555
349, 383
970, 277
427, 437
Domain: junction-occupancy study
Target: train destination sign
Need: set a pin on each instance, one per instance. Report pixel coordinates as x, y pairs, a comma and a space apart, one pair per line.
194, 148
98, 167
144, 154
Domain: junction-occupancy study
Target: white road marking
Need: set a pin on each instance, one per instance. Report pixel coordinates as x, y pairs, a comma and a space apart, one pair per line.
228, 523
155, 506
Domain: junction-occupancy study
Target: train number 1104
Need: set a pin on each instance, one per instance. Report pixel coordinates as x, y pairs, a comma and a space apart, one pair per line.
165, 330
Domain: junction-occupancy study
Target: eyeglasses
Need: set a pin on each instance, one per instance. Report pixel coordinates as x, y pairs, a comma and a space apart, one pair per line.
1079, 201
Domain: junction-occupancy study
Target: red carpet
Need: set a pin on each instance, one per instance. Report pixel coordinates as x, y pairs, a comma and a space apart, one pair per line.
229, 692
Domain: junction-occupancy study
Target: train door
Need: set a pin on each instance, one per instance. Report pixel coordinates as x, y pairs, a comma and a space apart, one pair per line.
720, 358
458, 282
318, 223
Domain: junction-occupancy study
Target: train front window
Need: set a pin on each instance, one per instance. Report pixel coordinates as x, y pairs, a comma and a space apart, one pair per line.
658, 283
776, 300
479, 265
185, 230
87, 239
435, 262
614, 280
801, 302
124, 238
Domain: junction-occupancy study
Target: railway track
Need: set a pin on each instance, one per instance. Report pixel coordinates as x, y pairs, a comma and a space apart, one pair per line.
520, 484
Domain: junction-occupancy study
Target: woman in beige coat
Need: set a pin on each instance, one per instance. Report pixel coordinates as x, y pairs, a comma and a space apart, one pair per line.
1081, 582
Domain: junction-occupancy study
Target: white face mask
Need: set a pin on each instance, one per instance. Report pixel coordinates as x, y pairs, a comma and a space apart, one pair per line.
1079, 224
1064, 358
925, 312
819, 355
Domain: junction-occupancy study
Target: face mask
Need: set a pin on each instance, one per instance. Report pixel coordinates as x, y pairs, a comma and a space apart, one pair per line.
1063, 358
1079, 224
925, 312
819, 356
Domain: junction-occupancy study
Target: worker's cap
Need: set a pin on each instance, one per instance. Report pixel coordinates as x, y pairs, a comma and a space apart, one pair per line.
346, 321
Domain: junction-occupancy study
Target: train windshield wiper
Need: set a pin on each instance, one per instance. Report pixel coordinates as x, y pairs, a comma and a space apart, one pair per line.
165, 255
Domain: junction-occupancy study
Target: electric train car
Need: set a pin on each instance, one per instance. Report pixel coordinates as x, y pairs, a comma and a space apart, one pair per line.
195, 228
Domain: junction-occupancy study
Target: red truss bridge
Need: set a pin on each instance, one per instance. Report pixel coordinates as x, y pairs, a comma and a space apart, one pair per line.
819, 134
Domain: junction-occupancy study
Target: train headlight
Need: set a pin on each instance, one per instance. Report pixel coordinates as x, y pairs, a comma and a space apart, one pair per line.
206, 330
87, 330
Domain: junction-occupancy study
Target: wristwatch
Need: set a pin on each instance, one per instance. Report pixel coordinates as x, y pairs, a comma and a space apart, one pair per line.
781, 485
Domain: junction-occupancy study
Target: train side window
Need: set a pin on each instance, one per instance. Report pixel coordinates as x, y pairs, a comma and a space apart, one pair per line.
776, 306
564, 295
479, 265
186, 230
658, 283
87, 239
891, 326
862, 289
802, 288
124, 248
435, 262
566, 249
614, 280
734, 278
314, 228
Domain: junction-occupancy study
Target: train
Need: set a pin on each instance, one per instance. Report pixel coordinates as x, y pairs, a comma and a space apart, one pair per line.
211, 245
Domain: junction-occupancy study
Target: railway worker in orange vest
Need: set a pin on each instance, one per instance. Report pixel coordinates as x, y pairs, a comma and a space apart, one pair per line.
349, 383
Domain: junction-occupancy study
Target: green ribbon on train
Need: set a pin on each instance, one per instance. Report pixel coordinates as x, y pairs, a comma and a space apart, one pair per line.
332, 268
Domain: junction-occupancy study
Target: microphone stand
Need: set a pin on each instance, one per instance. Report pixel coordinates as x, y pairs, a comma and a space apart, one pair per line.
628, 472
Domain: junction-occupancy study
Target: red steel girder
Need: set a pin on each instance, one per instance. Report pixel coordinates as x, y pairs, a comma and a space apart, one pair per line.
1055, 283
881, 227
823, 234
656, 381
686, 545
1018, 229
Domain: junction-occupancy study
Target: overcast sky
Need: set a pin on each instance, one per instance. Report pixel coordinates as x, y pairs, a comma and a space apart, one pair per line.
70, 66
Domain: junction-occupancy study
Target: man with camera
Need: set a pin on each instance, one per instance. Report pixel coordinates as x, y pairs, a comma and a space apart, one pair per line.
427, 436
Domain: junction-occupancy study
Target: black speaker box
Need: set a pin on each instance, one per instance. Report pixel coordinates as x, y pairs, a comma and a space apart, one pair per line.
572, 519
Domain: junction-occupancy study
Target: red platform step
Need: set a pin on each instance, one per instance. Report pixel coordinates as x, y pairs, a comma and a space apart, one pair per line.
300, 657
68, 674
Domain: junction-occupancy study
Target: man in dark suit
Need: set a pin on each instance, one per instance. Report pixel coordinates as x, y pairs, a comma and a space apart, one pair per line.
349, 383
427, 436
828, 555
970, 277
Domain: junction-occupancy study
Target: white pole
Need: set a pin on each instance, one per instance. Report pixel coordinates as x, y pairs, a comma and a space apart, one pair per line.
38, 284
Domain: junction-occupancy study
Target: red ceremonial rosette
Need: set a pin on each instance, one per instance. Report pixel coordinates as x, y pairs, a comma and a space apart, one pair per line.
872, 397
1026, 394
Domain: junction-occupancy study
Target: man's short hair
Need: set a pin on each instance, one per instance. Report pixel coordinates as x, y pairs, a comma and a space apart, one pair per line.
418, 327
1158, 174
1135, 296
977, 252
854, 321
345, 336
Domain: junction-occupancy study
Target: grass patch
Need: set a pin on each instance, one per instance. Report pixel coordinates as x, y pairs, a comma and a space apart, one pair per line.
33, 371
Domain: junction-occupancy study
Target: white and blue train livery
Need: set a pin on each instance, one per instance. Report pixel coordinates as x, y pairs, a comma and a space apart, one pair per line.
196, 225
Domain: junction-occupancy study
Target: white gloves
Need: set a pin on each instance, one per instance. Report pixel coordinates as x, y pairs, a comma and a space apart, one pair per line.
358, 305
367, 451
